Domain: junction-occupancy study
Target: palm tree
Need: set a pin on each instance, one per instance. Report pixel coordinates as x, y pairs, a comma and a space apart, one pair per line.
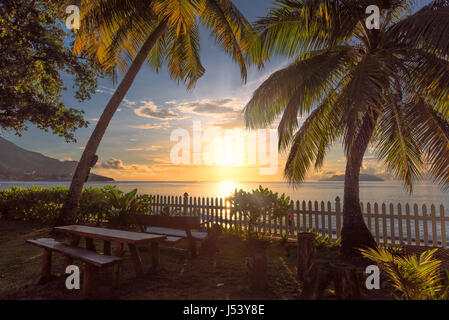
386, 87
118, 33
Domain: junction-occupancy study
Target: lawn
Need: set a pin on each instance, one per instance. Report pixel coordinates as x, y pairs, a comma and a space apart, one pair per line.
223, 276
220, 277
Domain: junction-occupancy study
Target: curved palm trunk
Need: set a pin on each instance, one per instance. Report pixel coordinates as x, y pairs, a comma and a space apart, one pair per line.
355, 233
67, 215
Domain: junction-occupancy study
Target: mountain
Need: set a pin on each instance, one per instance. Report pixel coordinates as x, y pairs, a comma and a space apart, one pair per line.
18, 164
363, 177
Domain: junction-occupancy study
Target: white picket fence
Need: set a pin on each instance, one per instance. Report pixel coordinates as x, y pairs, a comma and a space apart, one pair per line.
392, 224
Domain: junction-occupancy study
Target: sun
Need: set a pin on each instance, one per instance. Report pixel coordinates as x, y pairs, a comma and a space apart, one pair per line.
226, 188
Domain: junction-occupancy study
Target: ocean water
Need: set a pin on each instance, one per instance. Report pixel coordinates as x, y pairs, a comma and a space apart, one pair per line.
380, 192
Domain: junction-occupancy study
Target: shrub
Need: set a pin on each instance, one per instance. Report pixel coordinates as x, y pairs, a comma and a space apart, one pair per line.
44, 204
324, 242
416, 278
257, 204
121, 205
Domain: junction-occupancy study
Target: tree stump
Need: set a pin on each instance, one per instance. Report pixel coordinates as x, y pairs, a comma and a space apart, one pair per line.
346, 282
306, 252
257, 271
316, 280
321, 275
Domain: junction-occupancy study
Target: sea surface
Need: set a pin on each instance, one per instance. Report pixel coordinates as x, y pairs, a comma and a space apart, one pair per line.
381, 192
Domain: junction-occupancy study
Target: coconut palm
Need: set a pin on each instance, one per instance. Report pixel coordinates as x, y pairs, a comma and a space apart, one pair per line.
122, 35
386, 88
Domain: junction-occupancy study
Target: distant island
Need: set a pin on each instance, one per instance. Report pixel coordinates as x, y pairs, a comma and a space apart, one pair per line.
18, 164
363, 177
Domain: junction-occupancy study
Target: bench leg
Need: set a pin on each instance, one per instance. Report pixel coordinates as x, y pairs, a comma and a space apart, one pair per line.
118, 252
115, 275
155, 255
137, 261
90, 244
74, 242
192, 244
46, 268
107, 248
88, 279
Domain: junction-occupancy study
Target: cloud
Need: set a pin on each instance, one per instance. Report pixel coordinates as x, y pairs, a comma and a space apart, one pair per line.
150, 110
135, 149
154, 148
212, 106
118, 167
112, 163
105, 90
231, 123
151, 148
162, 125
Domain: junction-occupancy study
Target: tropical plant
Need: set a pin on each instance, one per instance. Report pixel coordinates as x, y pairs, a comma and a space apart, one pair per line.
123, 35
322, 241
387, 87
122, 205
255, 205
416, 278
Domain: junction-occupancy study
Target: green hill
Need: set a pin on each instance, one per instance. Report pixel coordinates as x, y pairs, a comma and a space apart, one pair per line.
18, 164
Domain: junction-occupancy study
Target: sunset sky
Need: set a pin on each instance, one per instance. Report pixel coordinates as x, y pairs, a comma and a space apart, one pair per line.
137, 144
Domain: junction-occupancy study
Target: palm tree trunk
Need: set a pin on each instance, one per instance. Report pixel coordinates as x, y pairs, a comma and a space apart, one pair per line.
67, 214
355, 233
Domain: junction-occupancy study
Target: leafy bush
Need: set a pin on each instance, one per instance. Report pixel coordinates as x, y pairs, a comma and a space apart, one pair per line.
120, 205
324, 242
416, 278
44, 204
257, 204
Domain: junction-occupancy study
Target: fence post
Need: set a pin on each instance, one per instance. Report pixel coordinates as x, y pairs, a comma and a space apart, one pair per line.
186, 202
338, 216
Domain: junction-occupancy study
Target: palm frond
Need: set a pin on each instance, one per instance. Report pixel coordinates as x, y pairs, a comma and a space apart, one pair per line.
427, 29
296, 89
431, 131
183, 55
310, 143
231, 29
396, 145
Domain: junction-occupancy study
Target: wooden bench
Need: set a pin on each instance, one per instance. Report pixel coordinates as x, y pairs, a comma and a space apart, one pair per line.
91, 259
176, 229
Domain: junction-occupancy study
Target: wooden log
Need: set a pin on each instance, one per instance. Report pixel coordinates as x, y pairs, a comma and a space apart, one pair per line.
346, 282
306, 252
316, 280
257, 271
322, 275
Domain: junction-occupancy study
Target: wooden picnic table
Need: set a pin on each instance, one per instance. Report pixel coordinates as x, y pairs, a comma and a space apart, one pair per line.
120, 237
